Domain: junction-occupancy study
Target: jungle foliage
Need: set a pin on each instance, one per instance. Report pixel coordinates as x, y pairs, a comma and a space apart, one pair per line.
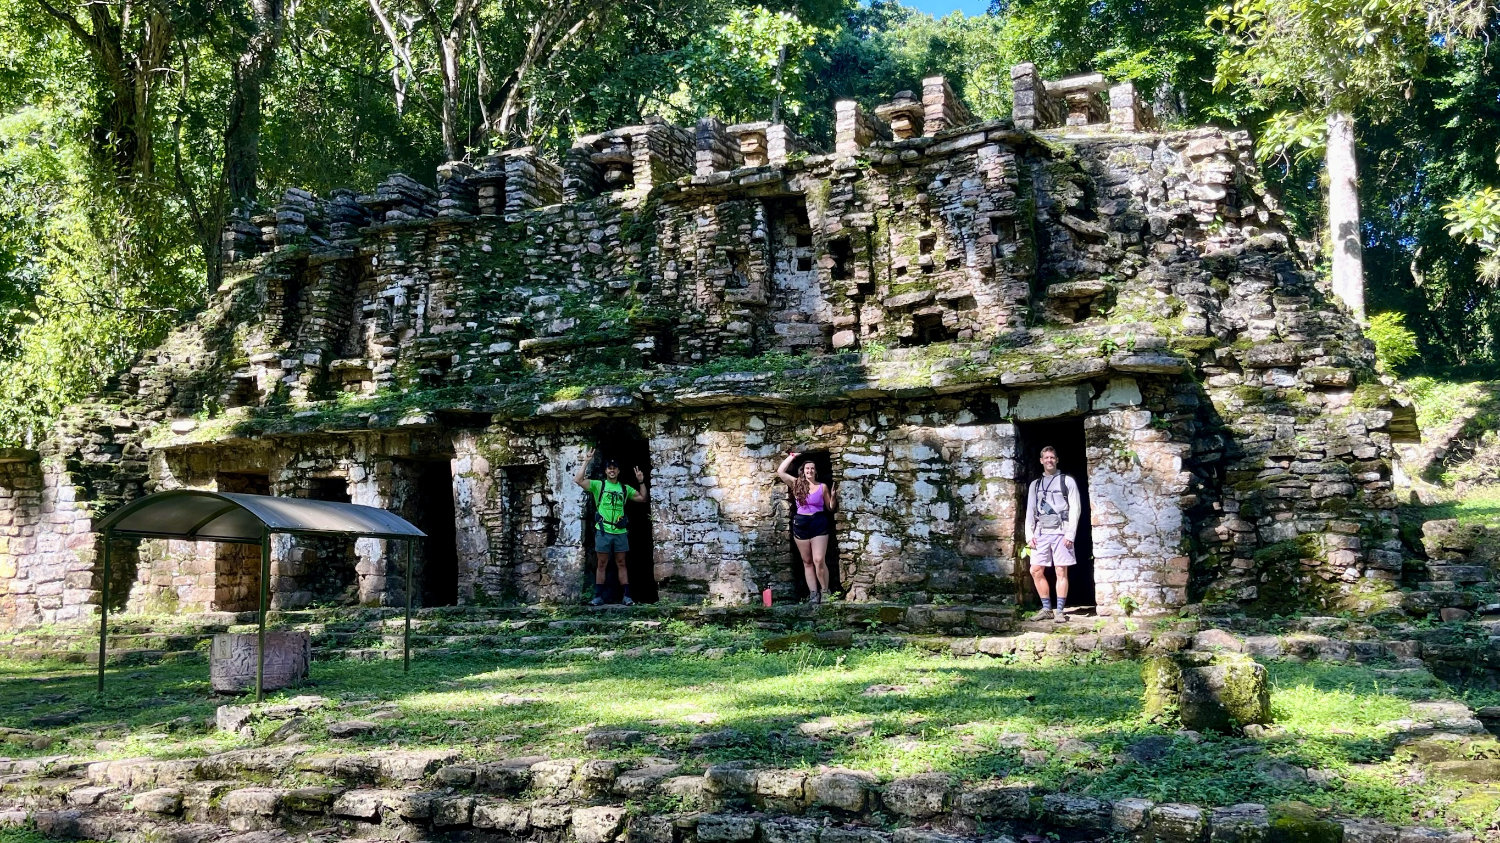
129, 129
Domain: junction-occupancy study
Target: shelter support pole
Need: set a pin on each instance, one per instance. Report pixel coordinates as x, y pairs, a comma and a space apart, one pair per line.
411, 545
265, 588
104, 608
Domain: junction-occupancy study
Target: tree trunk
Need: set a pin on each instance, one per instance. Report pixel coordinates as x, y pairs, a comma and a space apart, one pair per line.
1344, 231
451, 46
123, 137
242, 130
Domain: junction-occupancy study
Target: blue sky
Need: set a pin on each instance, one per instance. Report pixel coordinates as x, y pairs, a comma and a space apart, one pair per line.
941, 8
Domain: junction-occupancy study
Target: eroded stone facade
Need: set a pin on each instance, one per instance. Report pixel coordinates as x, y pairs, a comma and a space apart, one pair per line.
922, 309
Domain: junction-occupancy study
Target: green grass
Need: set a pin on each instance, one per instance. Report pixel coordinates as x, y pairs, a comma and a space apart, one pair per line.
973, 718
1439, 402
27, 835
1480, 505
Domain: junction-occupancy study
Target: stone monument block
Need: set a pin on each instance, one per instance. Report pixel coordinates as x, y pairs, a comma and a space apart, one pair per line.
1221, 692
232, 665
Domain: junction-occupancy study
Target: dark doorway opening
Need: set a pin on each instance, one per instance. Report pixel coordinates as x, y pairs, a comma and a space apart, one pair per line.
824, 462
329, 565
623, 442
1066, 436
431, 509
237, 566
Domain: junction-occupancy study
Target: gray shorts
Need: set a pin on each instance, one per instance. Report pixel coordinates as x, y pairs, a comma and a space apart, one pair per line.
605, 542
1051, 552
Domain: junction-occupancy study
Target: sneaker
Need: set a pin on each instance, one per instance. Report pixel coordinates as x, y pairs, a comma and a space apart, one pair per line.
1058, 616
597, 601
815, 598
626, 601
1042, 615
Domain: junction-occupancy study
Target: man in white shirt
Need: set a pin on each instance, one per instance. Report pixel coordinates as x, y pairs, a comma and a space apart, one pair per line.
1051, 526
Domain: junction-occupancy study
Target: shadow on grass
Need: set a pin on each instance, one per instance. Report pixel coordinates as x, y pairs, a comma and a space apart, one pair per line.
894, 713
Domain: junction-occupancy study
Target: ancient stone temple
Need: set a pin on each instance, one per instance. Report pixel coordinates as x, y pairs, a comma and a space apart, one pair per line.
920, 309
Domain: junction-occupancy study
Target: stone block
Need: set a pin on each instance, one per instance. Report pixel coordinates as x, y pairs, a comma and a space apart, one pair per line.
163, 800
844, 790
1051, 403
726, 828
920, 796
452, 811
1243, 823
789, 830
360, 804
598, 825
1174, 823
504, 817
233, 663
257, 801
1130, 815
1077, 811
995, 801
1210, 693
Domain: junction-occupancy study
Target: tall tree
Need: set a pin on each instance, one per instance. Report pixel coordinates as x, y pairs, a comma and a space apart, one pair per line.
450, 25
130, 42
1319, 63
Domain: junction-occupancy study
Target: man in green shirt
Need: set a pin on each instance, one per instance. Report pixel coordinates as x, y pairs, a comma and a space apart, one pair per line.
610, 538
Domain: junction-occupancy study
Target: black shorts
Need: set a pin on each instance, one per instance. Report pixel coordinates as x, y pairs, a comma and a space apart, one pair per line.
811, 526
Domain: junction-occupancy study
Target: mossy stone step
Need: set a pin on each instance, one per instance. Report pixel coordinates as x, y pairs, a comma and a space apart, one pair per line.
1427, 601
1466, 574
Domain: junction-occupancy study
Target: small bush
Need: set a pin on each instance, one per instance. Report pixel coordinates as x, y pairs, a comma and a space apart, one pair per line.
1394, 342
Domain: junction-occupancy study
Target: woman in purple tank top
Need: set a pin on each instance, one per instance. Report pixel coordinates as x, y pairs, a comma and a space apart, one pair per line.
811, 525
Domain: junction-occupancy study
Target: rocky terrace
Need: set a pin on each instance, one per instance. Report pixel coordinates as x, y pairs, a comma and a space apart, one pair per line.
813, 727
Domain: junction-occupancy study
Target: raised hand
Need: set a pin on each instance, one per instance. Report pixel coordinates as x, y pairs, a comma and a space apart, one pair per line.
640, 476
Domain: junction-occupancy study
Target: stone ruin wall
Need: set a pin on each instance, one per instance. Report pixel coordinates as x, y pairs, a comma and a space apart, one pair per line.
952, 283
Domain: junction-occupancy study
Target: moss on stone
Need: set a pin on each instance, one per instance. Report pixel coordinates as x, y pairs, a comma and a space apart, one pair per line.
1477, 805
1298, 822
1368, 396
1249, 394
1244, 694
1192, 345
1163, 680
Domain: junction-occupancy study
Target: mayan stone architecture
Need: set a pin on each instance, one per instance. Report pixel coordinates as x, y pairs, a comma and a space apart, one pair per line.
920, 308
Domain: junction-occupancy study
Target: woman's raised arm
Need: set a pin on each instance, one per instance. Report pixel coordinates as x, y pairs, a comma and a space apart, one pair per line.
781, 470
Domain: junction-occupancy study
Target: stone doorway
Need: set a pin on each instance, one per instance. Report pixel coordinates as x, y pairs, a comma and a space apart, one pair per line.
824, 461
1065, 435
237, 566
432, 510
330, 572
624, 442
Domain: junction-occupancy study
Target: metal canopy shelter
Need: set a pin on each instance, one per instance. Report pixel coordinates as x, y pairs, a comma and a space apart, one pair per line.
193, 515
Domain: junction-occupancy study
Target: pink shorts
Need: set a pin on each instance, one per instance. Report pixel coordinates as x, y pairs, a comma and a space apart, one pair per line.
1050, 550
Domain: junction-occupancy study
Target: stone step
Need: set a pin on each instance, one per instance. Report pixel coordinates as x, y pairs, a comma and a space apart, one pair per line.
1429, 601
420, 795
1466, 574
90, 640
603, 618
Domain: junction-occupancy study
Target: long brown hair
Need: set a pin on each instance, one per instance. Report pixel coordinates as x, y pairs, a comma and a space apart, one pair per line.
801, 488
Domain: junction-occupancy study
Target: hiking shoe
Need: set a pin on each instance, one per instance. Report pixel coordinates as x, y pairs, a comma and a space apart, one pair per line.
1042, 615
597, 601
1058, 616
626, 601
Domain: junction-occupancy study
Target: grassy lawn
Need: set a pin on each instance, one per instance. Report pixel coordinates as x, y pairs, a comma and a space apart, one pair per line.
1480, 505
1061, 725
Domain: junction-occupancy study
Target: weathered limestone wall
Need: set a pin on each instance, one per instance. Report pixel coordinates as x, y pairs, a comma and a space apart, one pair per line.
906, 305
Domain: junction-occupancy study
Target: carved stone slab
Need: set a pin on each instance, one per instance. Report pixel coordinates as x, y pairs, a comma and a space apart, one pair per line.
232, 665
